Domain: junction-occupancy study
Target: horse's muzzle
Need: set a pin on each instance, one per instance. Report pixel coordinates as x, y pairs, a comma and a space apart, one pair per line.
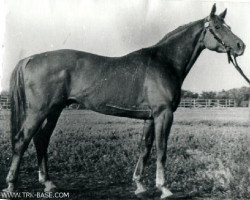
240, 48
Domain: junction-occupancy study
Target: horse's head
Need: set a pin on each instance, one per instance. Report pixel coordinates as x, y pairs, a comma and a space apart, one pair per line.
219, 37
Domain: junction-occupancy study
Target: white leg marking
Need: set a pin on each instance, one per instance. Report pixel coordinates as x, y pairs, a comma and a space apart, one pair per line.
49, 186
41, 177
165, 193
140, 188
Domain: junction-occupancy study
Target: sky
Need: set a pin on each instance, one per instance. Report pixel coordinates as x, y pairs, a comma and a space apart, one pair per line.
115, 28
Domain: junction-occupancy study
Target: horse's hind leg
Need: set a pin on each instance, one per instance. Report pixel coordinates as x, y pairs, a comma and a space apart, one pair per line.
145, 152
20, 143
41, 141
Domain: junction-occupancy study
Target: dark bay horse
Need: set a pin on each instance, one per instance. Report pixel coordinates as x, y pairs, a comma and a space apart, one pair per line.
145, 84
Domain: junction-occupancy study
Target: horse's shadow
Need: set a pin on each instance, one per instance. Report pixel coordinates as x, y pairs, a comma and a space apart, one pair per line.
114, 192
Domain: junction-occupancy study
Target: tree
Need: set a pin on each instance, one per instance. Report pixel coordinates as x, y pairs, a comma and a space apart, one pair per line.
239, 94
208, 95
188, 94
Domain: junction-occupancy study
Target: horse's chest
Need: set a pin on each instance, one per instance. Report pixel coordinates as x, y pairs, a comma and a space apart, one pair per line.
163, 89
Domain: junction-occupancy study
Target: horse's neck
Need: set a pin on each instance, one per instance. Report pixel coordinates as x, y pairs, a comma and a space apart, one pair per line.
181, 50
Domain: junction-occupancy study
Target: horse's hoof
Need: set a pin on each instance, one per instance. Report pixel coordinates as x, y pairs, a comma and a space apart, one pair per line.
165, 193
5, 190
50, 187
10, 188
7, 193
140, 191
140, 188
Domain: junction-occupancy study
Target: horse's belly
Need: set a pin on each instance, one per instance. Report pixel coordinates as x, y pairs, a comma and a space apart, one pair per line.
132, 112
129, 102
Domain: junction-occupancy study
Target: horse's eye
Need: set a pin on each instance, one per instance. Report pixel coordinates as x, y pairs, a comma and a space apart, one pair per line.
217, 27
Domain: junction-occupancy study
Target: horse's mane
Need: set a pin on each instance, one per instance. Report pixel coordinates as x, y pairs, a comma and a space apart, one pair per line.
175, 31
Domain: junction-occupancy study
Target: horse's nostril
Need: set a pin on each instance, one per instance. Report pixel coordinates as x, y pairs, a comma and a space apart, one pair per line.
240, 48
239, 45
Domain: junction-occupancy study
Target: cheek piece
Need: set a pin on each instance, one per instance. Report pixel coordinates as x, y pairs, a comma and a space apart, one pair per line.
216, 37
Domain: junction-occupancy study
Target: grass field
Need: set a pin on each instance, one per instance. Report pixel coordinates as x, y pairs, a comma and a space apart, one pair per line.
92, 156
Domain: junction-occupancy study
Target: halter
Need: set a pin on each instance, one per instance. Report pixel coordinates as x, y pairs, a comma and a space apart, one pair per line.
216, 37
230, 59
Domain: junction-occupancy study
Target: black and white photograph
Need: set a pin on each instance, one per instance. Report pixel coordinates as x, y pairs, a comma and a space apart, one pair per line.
128, 99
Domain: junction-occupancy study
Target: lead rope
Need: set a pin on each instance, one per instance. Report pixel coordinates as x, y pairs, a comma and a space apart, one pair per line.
238, 67
190, 62
143, 133
229, 57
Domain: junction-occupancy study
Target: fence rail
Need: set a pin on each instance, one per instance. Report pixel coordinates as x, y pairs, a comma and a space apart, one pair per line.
207, 103
186, 103
4, 102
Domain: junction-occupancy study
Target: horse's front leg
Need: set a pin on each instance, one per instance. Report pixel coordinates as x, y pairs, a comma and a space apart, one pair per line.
163, 123
148, 134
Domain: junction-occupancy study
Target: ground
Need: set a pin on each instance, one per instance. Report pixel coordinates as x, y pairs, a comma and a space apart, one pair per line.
92, 156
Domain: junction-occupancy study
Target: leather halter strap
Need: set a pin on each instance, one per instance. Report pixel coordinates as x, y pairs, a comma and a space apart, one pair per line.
238, 68
196, 50
216, 37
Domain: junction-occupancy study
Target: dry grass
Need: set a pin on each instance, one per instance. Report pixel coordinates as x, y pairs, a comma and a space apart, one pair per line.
93, 155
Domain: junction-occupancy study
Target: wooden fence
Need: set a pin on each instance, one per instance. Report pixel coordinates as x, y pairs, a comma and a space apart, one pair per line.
207, 103
186, 103
4, 102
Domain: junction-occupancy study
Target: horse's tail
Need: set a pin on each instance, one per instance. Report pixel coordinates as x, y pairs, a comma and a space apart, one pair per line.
17, 100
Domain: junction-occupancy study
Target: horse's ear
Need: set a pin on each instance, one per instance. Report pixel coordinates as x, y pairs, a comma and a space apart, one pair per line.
223, 14
213, 10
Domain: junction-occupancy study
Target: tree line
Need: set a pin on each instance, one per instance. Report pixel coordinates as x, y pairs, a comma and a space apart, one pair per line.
241, 95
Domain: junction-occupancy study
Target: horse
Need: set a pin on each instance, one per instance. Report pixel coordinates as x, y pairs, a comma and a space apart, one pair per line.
145, 84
